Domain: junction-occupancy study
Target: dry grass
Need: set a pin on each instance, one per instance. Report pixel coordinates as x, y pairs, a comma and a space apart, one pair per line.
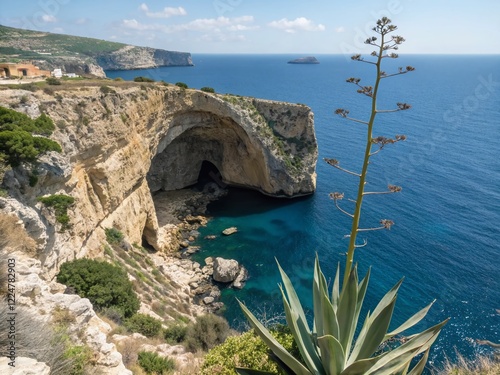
482, 365
13, 236
35, 339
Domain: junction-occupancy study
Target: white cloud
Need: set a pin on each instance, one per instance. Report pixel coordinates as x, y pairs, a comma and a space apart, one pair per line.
49, 18
222, 37
164, 13
213, 29
82, 21
136, 25
298, 24
340, 29
216, 24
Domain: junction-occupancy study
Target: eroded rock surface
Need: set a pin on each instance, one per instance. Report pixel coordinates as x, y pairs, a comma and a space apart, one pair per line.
124, 145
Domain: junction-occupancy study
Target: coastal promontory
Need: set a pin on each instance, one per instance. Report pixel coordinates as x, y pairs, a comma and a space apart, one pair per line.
83, 56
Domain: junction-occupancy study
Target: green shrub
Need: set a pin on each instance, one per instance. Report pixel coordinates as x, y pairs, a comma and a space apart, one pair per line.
113, 236
246, 350
79, 356
53, 81
106, 90
118, 79
182, 85
207, 89
17, 143
60, 203
143, 79
175, 334
208, 331
48, 90
105, 285
152, 363
144, 324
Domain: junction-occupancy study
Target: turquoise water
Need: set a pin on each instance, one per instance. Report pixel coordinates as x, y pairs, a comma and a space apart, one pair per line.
445, 241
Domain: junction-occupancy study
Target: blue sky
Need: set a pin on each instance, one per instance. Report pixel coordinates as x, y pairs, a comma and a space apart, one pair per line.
260, 26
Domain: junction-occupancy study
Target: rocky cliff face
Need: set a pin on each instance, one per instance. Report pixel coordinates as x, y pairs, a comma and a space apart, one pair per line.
131, 57
123, 146
82, 67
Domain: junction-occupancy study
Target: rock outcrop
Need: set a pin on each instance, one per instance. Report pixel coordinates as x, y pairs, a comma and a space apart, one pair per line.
132, 57
123, 146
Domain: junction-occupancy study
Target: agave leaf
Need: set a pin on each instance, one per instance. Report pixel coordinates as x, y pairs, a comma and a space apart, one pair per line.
388, 297
373, 333
303, 338
318, 300
292, 295
347, 310
397, 358
332, 354
330, 321
325, 321
410, 322
420, 366
335, 289
280, 352
247, 371
361, 366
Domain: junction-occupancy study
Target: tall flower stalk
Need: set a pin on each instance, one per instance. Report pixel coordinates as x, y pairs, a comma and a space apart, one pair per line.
331, 347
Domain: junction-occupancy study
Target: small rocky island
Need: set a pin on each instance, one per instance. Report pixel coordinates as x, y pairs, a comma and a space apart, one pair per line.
305, 60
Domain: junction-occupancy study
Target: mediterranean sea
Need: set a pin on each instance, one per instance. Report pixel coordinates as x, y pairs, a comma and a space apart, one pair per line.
445, 240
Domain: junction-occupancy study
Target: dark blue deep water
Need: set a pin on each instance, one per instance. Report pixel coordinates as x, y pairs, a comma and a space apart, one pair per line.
446, 237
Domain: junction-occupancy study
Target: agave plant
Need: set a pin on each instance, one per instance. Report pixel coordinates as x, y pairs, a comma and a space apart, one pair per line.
332, 346
329, 348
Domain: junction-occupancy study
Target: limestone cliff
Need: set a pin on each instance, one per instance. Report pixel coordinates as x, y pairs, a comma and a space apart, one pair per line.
125, 142
132, 57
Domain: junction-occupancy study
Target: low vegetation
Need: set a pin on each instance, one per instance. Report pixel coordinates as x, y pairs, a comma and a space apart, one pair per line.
105, 285
153, 364
113, 236
182, 85
44, 342
246, 350
60, 203
13, 237
209, 330
143, 79
208, 89
144, 324
22, 139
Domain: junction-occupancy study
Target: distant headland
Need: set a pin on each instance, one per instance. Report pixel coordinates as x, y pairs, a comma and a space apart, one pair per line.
80, 55
305, 60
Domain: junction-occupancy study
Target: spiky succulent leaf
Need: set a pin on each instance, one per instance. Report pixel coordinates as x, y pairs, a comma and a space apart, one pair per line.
346, 313
410, 322
280, 352
332, 354
325, 319
303, 338
420, 366
336, 289
292, 295
395, 359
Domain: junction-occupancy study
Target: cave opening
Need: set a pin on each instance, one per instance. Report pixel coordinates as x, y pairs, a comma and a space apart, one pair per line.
209, 174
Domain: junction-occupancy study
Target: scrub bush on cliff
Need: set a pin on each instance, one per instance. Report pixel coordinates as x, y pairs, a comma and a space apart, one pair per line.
330, 347
105, 285
20, 140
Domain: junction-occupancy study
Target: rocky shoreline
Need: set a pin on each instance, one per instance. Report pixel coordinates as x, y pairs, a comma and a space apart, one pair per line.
186, 209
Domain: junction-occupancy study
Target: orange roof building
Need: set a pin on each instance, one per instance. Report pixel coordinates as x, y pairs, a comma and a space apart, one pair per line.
13, 70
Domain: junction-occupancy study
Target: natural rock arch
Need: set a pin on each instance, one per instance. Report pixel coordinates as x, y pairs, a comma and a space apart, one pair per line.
195, 137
